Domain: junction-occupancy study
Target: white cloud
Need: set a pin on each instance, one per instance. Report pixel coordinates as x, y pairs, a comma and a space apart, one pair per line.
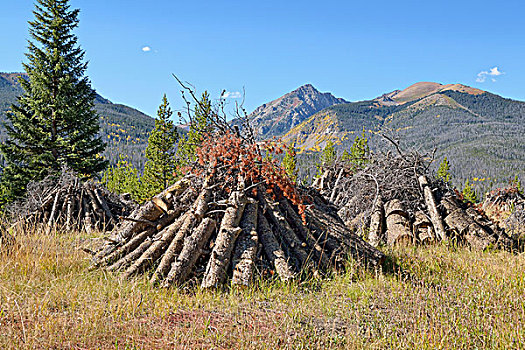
231, 94
492, 72
146, 49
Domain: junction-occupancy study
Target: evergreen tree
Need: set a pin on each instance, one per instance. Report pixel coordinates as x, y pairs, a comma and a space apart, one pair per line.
199, 126
444, 170
329, 154
123, 178
290, 163
54, 123
359, 152
161, 167
469, 195
517, 184
327, 158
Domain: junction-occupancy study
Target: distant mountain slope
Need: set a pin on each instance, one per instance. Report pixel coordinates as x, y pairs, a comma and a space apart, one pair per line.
482, 134
124, 129
277, 117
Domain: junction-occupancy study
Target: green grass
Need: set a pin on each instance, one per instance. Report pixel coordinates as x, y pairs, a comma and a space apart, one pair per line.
439, 298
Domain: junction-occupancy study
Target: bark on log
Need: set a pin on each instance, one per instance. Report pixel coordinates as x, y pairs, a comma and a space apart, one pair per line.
272, 248
69, 212
423, 228
117, 252
296, 245
465, 227
51, 221
126, 248
104, 206
191, 252
336, 185
245, 251
321, 257
87, 220
376, 229
397, 224
176, 235
132, 256
156, 249
228, 233
435, 216
148, 211
348, 241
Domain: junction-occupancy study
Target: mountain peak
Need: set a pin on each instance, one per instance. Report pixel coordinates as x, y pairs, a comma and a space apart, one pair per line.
305, 88
423, 89
275, 118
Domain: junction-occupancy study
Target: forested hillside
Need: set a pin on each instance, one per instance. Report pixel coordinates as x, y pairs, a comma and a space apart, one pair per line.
480, 133
124, 129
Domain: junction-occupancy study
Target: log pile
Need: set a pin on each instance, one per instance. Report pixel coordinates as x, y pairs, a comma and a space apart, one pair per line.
235, 217
506, 206
72, 204
393, 200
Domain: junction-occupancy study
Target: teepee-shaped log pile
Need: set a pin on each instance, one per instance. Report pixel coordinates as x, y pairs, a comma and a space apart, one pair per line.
394, 200
70, 203
237, 213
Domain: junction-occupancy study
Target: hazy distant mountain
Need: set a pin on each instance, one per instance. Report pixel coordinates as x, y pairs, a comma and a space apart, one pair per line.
124, 129
481, 133
277, 117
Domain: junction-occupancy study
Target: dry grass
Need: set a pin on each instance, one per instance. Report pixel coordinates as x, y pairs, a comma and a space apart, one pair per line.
442, 298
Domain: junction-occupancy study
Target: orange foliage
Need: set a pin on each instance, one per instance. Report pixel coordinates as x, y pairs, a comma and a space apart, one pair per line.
231, 156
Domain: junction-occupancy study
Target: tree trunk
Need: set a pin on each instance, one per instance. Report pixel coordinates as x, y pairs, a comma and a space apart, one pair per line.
286, 232
435, 216
191, 252
423, 228
321, 257
245, 251
192, 218
376, 229
222, 250
272, 248
397, 224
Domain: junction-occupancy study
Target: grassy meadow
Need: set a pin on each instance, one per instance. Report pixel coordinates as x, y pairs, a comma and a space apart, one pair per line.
437, 298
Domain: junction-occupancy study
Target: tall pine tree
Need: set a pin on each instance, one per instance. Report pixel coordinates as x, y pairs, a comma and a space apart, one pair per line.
161, 167
54, 123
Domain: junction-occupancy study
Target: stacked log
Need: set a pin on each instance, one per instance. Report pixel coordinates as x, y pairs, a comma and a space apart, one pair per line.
396, 202
397, 224
200, 235
68, 203
506, 207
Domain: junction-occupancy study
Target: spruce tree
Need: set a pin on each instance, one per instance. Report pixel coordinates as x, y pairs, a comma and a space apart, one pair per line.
54, 123
327, 158
359, 152
444, 170
329, 154
200, 125
161, 167
290, 163
123, 178
469, 195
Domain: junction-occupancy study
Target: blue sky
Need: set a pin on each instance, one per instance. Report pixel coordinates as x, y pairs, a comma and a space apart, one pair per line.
354, 49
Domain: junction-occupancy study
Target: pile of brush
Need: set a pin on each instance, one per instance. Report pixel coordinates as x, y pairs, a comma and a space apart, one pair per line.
394, 200
235, 216
67, 202
507, 207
